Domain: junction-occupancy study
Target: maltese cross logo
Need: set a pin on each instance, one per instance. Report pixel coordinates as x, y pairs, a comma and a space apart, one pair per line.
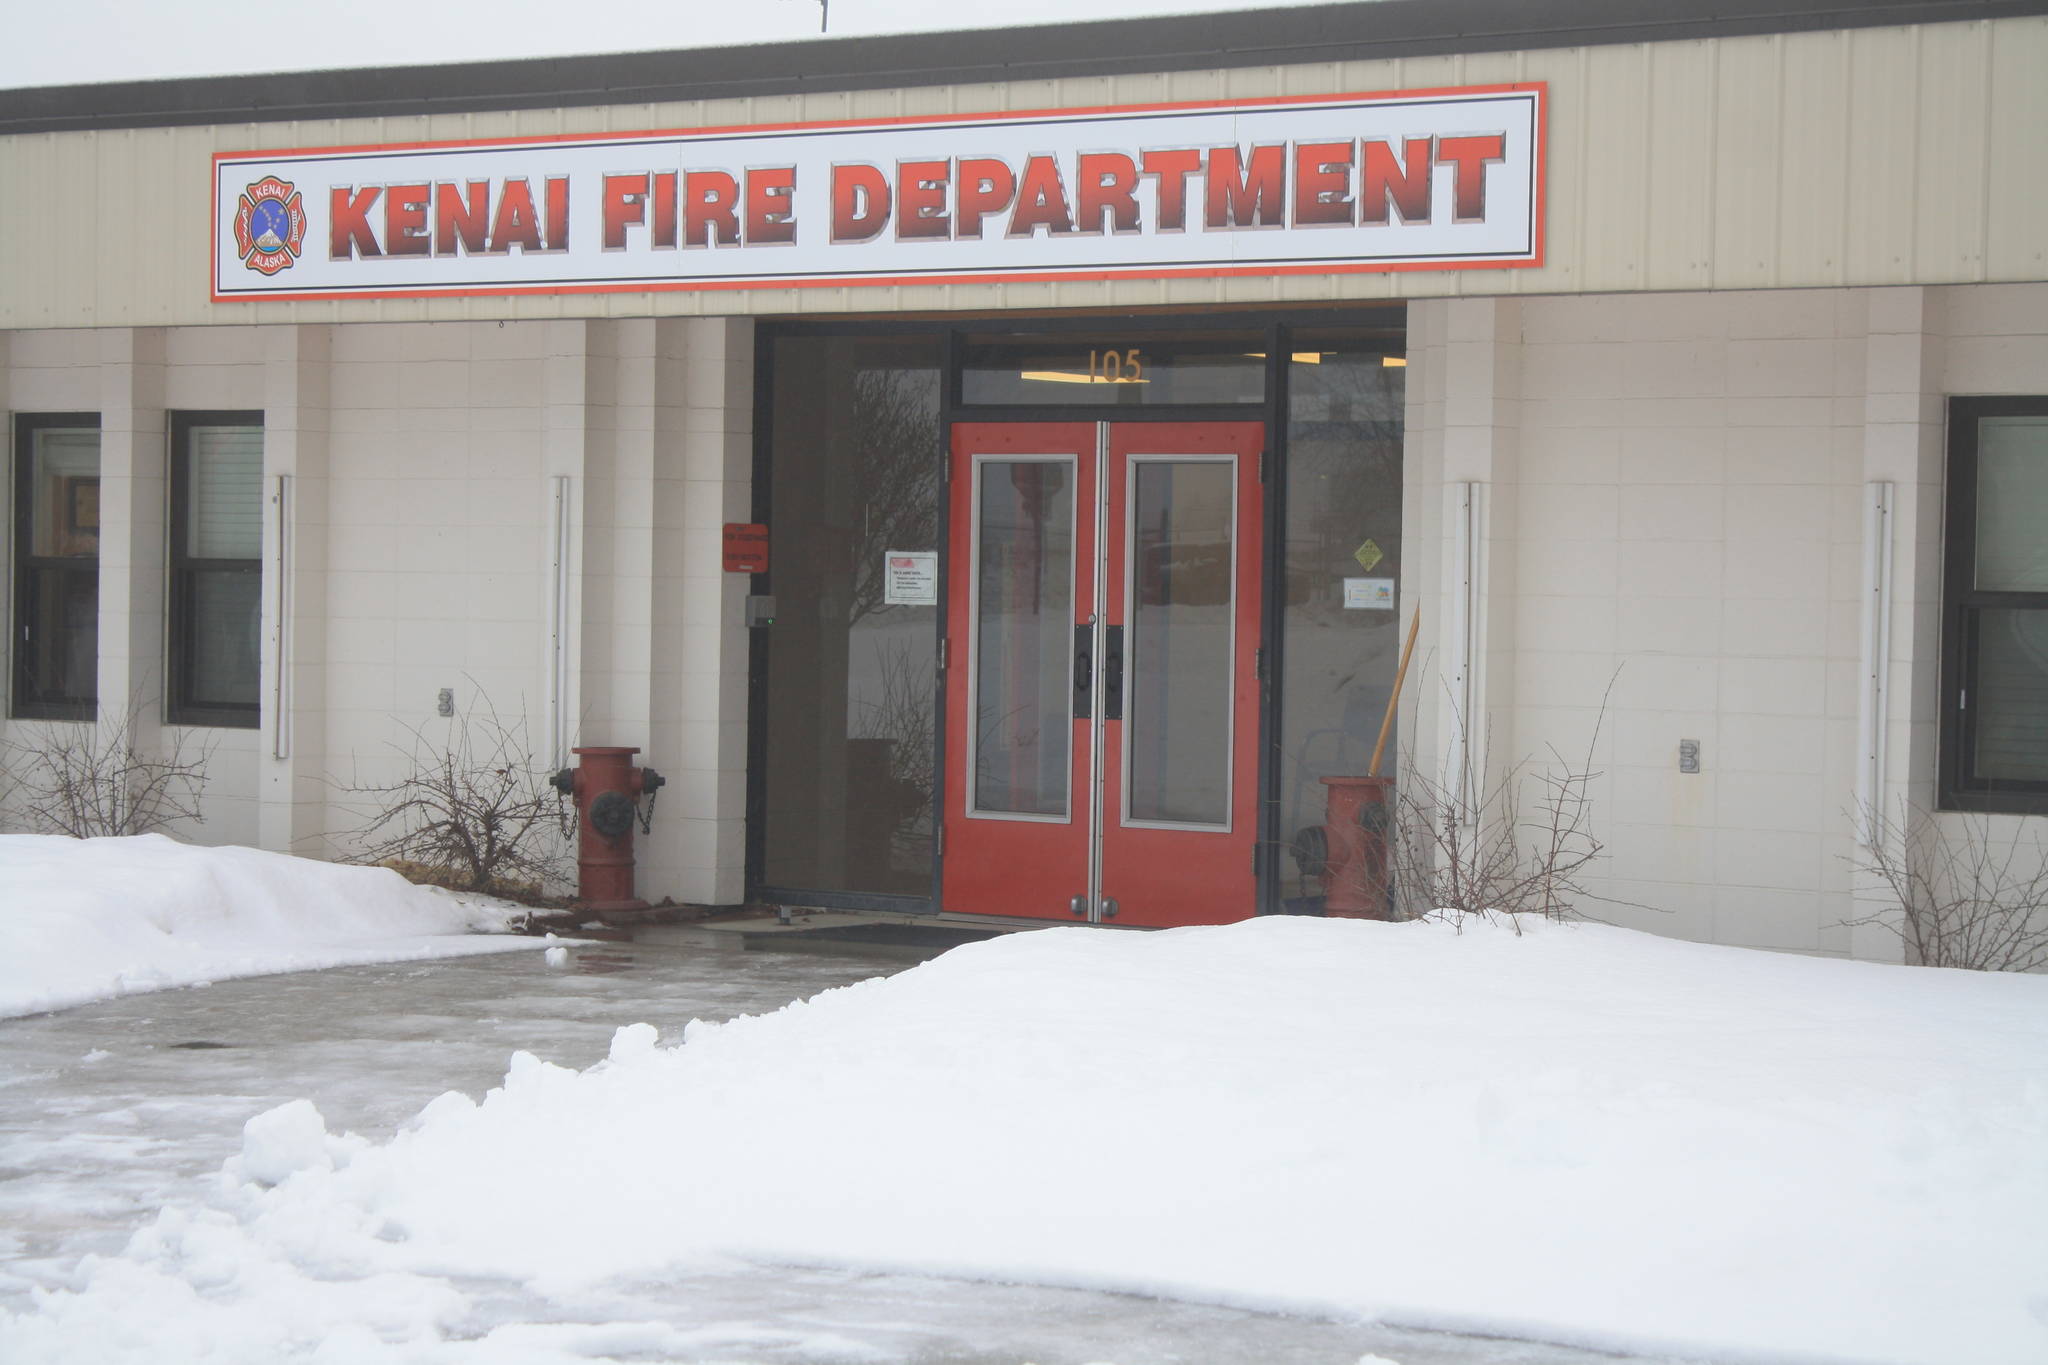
270, 225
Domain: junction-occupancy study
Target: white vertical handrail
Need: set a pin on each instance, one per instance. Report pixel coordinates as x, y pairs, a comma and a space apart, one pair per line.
1462, 636
559, 549
1871, 707
281, 627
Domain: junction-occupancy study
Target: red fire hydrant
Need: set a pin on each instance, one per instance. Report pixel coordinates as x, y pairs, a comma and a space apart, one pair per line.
1349, 849
606, 788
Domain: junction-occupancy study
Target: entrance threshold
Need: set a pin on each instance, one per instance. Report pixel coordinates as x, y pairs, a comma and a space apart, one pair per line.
797, 929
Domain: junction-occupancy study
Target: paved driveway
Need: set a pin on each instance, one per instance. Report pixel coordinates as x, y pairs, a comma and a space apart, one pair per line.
109, 1111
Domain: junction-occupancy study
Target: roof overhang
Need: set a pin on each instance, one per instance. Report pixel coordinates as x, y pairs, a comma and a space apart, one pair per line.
1266, 37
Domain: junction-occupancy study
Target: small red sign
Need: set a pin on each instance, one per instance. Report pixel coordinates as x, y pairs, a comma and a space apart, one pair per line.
746, 547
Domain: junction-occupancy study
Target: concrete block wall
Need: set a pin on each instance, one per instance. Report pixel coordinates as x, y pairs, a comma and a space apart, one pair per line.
698, 661
433, 530
1687, 488
415, 541
132, 377
1671, 506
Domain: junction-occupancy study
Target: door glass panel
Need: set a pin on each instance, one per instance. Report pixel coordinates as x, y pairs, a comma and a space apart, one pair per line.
1023, 632
1342, 524
1177, 699
849, 678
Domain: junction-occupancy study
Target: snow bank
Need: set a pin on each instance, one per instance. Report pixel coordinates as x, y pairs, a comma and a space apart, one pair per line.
86, 919
1582, 1134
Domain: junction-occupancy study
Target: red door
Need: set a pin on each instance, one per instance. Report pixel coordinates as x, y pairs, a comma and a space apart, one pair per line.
1101, 688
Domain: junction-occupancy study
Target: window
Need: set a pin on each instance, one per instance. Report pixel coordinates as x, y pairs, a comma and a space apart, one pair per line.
56, 565
216, 606
1994, 754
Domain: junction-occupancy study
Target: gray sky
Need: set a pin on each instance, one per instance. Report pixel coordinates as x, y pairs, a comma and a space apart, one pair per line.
68, 42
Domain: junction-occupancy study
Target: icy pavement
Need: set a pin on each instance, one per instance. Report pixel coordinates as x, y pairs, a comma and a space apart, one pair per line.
110, 1111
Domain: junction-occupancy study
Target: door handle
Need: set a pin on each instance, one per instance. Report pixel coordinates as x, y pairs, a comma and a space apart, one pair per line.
1084, 672
1113, 675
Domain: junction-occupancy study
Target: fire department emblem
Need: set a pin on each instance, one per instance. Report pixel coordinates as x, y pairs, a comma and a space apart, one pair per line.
270, 225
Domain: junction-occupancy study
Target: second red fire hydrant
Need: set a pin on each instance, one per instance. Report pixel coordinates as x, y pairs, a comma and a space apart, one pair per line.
607, 789
1348, 851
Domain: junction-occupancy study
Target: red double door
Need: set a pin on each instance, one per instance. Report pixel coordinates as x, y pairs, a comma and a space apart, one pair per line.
1101, 683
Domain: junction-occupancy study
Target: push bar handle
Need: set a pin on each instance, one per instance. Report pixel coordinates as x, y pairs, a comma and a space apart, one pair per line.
1084, 672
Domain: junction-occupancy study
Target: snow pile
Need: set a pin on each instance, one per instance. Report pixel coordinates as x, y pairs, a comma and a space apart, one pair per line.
1581, 1134
86, 919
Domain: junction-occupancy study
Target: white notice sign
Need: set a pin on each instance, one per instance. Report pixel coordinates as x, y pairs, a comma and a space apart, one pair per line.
910, 578
1368, 594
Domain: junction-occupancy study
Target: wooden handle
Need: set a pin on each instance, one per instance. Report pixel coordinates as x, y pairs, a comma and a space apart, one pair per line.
1379, 748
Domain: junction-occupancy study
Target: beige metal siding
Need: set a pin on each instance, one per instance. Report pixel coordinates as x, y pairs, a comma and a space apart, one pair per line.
1677, 250
2016, 213
1873, 156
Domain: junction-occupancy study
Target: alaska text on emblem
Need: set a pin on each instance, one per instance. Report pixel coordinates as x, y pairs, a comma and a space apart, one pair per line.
270, 225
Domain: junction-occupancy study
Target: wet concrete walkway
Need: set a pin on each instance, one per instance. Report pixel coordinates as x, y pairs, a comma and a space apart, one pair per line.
109, 1111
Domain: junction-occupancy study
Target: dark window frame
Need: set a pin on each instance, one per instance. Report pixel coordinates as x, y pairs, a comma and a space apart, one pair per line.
1962, 604
179, 706
27, 566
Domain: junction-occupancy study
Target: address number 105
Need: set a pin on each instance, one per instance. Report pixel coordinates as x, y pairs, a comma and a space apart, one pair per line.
1116, 367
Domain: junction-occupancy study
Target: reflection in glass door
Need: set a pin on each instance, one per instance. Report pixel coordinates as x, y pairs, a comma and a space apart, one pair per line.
1181, 612
1023, 601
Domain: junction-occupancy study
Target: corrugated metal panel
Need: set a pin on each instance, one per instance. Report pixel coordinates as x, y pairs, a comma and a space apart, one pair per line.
80, 232
1884, 80
1955, 85
1874, 156
15, 155
1614, 210
1813, 181
1749, 133
2017, 205
1677, 249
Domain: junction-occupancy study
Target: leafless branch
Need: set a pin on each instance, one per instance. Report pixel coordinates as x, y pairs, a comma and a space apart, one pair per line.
474, 811
896, 469
1521, 844
94, 780
899, 718
1964, 899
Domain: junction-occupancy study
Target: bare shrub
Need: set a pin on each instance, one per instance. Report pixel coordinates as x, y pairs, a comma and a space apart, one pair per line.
94, 781
1519, 843
473, 812
1519, 846
1964, 900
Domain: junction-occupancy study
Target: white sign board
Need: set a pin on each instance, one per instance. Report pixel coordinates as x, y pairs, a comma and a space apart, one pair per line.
1439, 179
910, 578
